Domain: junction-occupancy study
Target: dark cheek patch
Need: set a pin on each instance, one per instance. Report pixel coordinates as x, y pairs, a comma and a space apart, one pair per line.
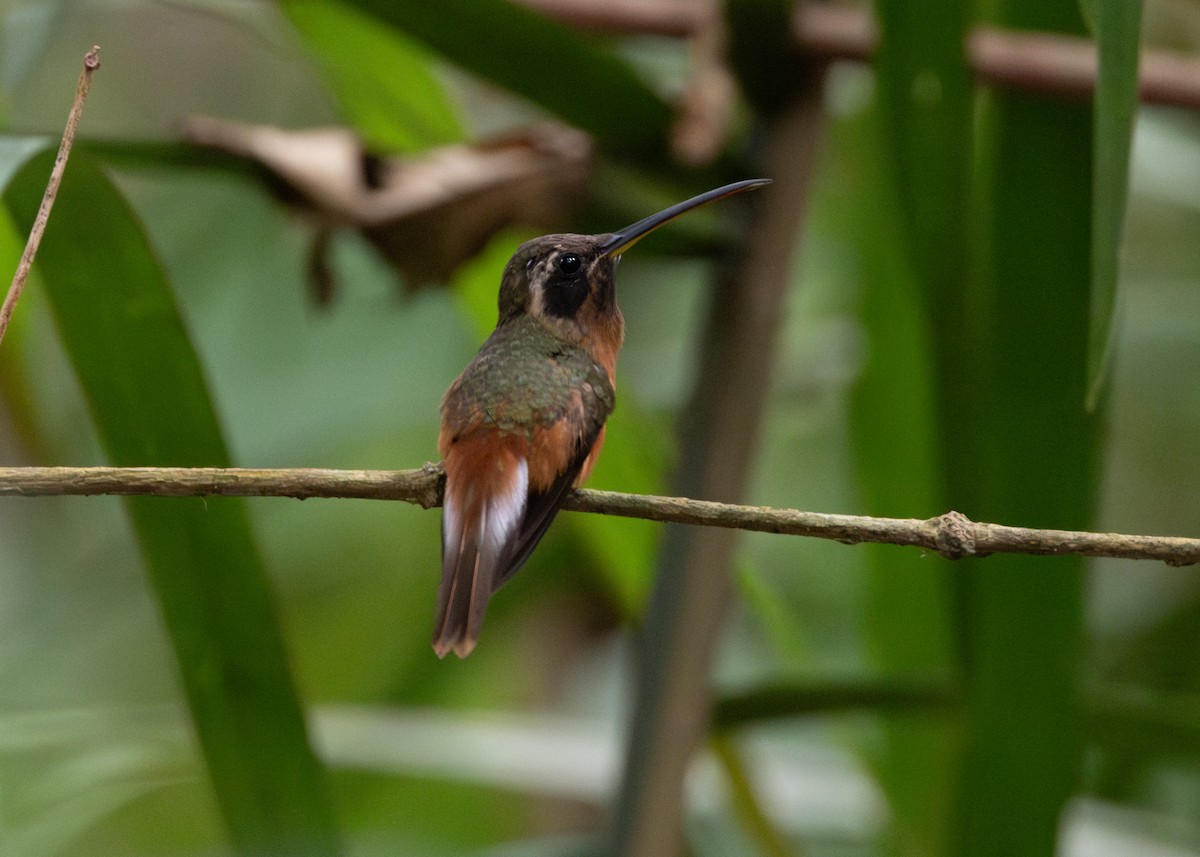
564, 296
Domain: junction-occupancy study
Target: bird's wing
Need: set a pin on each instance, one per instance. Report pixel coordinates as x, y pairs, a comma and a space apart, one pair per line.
540, 508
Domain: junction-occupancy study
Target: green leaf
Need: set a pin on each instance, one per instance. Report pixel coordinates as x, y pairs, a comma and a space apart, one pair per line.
1087, 9
894, 425
1034, 458
795, 699
926, 102
381, 78
553, 66
15, 391
1118, 25
1010, 356
915, 389
146, 391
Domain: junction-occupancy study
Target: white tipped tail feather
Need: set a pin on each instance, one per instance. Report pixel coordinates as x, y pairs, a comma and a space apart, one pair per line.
480, 524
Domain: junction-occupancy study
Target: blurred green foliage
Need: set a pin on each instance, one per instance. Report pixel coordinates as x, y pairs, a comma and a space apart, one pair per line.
122, 332
961, 248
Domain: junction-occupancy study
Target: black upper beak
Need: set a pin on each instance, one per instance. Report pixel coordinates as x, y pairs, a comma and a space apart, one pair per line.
623, 239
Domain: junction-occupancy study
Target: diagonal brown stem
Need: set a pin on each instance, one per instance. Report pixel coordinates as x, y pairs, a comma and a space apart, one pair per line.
91, 62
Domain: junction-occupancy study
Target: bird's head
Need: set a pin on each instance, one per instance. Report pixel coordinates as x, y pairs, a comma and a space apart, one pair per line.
568, 282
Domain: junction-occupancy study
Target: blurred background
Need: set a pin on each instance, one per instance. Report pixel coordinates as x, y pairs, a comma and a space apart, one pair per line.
930, 351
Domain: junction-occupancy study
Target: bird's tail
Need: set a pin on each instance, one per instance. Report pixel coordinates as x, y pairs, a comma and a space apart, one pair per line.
480, 522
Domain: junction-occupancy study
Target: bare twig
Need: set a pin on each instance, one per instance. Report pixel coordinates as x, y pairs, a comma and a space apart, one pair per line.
952, 535
1040, 62
1037, 61
677, 18
91, 62
1051, 63
835, 32
1067, 65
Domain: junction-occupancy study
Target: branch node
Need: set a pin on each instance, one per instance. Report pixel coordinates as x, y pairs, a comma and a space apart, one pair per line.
954, 535
91, 60
431, 498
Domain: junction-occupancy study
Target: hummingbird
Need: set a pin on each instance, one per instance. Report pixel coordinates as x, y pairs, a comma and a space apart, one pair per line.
524, 422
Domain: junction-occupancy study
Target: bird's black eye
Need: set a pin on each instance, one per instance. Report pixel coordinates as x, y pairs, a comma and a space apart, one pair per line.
569, 264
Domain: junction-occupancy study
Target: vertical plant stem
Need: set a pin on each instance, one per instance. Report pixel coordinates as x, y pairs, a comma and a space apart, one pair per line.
91, 62
911, 402
722, 424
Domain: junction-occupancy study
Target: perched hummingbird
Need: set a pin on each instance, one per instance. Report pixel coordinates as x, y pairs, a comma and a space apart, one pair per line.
525, 420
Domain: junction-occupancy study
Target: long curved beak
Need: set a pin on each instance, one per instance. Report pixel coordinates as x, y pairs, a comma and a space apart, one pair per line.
622, 240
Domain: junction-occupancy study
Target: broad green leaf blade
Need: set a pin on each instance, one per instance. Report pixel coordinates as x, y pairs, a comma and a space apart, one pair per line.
894, 427
381, 78
15, 393
144, 384
926, 107
551, 65
1117, 25
1035, 454
909, 404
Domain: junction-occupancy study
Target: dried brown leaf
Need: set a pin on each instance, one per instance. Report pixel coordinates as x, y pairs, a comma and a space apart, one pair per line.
426, 215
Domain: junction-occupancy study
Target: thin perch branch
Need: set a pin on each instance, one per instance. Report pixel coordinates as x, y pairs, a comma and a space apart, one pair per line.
91, 62
952, 535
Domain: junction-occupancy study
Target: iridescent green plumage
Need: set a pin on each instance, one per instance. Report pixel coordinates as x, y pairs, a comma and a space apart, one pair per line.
525, 378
